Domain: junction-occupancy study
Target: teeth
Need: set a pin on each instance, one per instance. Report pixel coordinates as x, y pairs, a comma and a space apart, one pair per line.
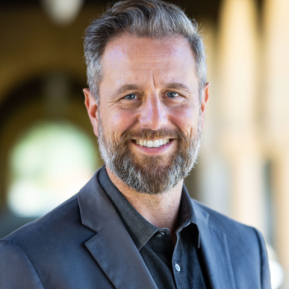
156, 143
152, 143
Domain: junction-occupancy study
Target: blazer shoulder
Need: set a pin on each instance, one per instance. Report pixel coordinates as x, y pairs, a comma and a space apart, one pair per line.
218, 221
237, 234
240, 237
14, 261
61, 222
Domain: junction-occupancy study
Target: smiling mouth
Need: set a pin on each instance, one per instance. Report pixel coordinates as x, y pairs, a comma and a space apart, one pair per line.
152, 143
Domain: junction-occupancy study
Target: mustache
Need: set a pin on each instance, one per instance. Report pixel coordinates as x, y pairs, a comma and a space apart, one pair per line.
147, 134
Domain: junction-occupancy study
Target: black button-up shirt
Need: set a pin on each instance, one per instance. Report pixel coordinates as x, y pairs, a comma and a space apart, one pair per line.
171, 266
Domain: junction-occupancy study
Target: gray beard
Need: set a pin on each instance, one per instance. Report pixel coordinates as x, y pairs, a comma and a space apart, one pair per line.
149, 175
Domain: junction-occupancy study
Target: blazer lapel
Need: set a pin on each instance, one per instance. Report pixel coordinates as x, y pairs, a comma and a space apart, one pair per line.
112, 246
217, 259
118, 257
215, 253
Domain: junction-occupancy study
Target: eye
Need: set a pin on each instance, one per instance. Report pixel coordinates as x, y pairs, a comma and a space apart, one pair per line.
131, 96
172, 94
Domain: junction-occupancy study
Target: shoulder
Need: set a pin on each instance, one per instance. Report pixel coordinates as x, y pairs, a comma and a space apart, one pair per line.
14, 262
240, 238
51, 238
61, 225
55, 218
236, 233
217, 220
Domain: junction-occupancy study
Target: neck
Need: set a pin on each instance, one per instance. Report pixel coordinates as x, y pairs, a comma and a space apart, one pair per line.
161, 210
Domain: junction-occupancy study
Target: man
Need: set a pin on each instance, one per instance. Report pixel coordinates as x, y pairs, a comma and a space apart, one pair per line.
133, 225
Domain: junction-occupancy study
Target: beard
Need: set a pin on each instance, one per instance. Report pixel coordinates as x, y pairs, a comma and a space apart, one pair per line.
150, 174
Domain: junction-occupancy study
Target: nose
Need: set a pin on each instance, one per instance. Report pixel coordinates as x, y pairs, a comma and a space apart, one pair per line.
153, 113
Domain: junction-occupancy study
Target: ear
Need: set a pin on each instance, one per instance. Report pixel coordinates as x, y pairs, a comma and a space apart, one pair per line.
92, 109
204, 100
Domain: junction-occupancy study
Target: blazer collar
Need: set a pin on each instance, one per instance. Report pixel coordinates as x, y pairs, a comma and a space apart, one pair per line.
95, 207
112, 246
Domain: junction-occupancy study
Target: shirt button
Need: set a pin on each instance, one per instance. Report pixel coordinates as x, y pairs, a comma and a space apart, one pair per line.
160, 234
177, 267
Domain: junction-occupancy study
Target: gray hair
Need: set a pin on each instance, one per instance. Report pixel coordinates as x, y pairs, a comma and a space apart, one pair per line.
140, 18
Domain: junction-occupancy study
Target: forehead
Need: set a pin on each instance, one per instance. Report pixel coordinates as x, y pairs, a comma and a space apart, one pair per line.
128, 52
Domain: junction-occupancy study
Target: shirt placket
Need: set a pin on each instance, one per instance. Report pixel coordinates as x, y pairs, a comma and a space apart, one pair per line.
177, 264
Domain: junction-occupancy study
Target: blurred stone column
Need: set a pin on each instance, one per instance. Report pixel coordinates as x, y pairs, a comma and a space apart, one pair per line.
211, 168
276, 117
281, 201
238, 89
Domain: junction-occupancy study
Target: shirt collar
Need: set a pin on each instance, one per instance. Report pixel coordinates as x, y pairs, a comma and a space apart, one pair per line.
138, 227
187, 217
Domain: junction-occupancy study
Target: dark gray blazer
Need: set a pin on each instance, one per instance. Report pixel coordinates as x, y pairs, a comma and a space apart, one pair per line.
84, 244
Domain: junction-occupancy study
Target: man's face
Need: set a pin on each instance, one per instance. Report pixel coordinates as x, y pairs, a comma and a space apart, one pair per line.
150, 116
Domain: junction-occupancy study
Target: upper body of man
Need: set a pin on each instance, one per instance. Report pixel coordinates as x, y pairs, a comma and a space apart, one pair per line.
133, 225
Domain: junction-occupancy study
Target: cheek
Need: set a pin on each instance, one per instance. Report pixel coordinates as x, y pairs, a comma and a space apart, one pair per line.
186, 119
118, 122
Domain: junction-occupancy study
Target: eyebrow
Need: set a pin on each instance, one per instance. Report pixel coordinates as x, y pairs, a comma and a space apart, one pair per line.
171, 85
125, 88
177, 85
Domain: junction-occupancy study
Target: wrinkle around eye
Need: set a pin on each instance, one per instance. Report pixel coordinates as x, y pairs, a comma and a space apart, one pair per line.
129, 104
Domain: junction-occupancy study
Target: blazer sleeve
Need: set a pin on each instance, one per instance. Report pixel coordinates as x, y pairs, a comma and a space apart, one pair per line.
265, 271
16, 270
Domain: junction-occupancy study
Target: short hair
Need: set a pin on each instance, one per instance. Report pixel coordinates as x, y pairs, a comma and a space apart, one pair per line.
140, 18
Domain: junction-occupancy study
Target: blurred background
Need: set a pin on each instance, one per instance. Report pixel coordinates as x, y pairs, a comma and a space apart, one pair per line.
47, 147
